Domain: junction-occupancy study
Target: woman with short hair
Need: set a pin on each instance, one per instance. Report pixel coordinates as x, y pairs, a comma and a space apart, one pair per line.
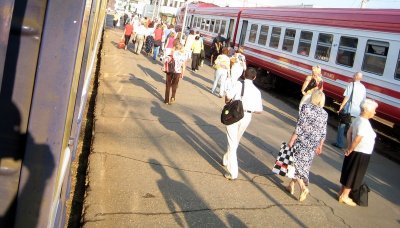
307, 140
361, 140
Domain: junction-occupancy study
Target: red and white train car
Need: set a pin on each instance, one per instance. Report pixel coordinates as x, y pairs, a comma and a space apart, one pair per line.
289, 41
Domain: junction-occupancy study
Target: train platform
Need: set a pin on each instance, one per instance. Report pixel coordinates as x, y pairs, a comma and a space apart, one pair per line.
158, 165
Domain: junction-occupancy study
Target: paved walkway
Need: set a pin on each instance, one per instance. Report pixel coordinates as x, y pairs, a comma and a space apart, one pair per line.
157, 165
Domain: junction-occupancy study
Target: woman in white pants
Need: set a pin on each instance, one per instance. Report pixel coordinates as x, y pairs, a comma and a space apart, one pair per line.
222, 65
252, 103
238, 61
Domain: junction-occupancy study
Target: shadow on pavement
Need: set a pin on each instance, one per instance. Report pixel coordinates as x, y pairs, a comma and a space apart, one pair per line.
180, 199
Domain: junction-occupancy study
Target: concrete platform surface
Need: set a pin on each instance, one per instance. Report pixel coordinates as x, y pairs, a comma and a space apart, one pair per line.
158, 165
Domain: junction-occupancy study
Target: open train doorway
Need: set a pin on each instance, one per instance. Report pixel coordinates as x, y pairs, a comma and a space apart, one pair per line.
243, 32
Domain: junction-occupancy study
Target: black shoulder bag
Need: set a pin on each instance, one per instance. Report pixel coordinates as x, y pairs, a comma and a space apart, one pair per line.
233, 111
345, 117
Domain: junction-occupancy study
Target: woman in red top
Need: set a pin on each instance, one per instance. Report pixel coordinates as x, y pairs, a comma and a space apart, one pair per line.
128, 32
158, 33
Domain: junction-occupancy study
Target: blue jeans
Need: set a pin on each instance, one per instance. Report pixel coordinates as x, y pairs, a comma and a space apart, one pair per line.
155, 52
340, 137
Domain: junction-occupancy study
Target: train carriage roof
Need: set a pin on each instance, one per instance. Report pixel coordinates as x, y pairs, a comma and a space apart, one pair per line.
215, 11
387, 20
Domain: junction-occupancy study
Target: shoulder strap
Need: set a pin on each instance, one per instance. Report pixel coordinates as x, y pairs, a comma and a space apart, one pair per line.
241, 94
351, 97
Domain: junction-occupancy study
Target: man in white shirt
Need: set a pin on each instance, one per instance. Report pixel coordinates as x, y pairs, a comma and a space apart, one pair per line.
252, 103
188, 44
141, 32
354, 94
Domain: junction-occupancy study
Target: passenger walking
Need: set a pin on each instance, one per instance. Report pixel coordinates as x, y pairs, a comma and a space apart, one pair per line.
252, 103
172, 79
169, 44
140, 37
222, 72
149, 39
196, 51
216, 48
238, 62
312, 83
188, 44
354, 94
307, 140
158, 34
115, 19
127, 33
361, 140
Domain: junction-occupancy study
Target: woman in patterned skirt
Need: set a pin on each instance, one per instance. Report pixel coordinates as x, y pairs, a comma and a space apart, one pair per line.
307, 140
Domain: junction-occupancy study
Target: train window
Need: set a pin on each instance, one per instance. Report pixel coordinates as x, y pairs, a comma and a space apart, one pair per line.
223, 25
198, 22
207, 25
217, 23
347, 51
262, 39
194, 22
397, 73
253, 33
324, 47
305, 43
203, 24
275, 36
288, 40
212, 25
375, 57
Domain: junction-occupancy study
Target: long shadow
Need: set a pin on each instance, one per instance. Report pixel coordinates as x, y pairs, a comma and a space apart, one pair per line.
155, 75
177, 194
197, 84
174, 123
235, 221
145, 85
32, 183
249, 163
205, 79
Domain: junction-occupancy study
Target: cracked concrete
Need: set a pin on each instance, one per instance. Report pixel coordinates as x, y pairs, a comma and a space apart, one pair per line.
157, 165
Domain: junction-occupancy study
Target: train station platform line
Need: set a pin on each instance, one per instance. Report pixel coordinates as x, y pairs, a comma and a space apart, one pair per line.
154, 164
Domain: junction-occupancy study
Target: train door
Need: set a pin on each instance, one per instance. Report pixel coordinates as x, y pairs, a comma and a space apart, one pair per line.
243, 32
191, 21
230, 29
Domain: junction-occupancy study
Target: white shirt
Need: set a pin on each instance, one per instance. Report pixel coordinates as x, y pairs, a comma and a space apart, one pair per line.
141, 30
362, 127
251, 99
189, 42
180, 59
359, 95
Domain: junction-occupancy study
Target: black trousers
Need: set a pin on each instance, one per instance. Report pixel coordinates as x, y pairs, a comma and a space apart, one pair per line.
195, 61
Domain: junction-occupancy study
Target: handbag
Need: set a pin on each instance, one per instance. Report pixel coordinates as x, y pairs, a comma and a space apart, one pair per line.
284, 162
360, 195
233, 111
157, 43
345, 117
121, 44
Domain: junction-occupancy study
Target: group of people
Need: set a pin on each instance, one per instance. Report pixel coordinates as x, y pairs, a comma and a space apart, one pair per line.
310, 133
229, 67
153, 37
233, 77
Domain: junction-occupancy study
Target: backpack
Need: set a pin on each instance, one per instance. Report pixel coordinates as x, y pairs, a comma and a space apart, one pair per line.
169, 65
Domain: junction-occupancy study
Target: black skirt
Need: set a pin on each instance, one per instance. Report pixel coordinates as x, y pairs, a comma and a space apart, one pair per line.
354, 168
